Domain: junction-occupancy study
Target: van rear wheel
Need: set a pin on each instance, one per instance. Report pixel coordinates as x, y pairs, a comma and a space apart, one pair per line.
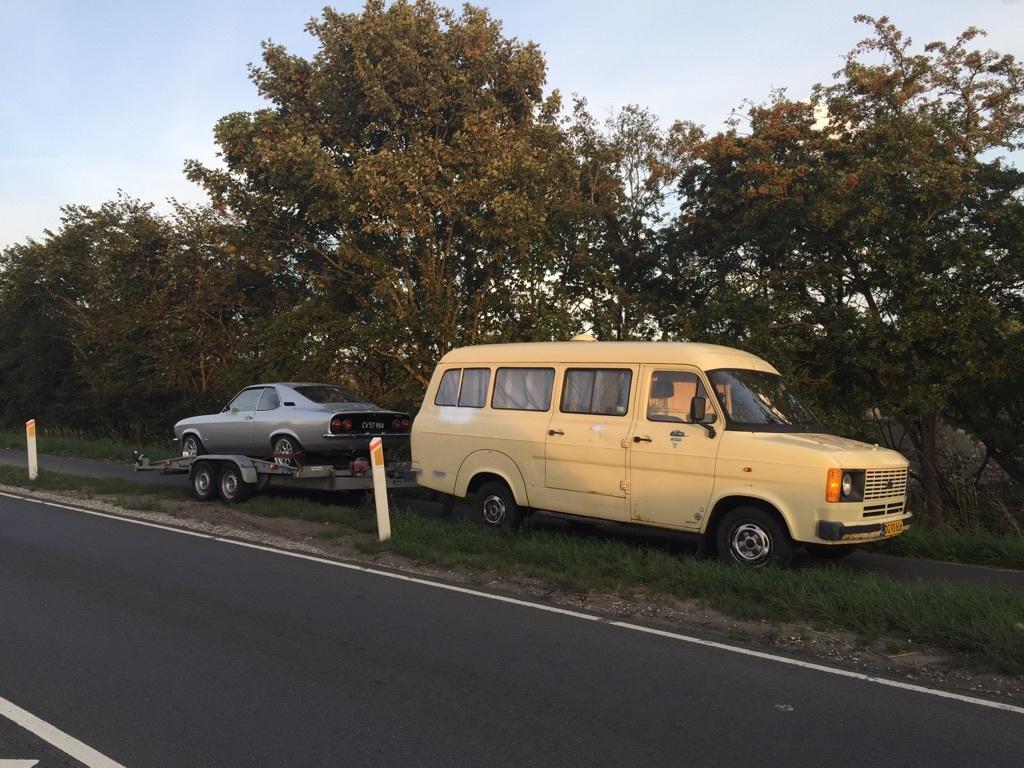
752, 537
496, 507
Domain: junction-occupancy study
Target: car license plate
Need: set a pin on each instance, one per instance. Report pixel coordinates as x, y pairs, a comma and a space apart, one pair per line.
371, 426
892, 528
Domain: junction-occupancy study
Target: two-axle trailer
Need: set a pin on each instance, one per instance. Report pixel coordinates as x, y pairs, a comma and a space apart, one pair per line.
234, 477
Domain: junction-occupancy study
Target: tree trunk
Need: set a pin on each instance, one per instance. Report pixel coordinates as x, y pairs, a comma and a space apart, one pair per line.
930, 469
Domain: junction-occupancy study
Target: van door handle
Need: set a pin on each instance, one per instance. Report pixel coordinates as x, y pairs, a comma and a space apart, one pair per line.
677, 433
641, 439
555, 431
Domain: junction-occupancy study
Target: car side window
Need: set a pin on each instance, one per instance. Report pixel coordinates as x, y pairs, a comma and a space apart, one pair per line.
247, 400
670, 396
598, 391
269, 401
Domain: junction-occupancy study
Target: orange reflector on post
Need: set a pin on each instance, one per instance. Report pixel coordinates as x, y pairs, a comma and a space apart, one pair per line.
834, 485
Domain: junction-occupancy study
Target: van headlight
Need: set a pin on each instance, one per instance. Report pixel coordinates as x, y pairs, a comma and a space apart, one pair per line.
844, 485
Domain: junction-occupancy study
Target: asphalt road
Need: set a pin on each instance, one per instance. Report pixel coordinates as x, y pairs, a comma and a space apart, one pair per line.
860, 562
163, 649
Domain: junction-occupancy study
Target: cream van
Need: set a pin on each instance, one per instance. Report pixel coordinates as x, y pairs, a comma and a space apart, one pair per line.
626, 431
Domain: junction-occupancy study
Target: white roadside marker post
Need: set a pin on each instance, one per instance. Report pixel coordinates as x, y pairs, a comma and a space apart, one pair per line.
380, 489
33, 458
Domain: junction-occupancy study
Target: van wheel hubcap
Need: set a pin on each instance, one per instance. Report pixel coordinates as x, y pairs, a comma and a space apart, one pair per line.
750, 544
494, 509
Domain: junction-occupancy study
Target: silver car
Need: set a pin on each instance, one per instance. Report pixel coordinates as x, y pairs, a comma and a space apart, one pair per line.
290, 420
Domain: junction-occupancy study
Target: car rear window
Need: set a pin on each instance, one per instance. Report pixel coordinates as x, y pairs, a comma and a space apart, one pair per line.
328, 393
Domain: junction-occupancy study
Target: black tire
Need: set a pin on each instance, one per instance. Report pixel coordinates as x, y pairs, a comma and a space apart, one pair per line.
191, 445
205, 480
495, 507
287, 444
233, 488
830, 551
753, 538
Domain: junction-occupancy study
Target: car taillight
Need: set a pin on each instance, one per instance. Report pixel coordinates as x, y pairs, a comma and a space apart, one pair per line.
339, 424
396, 423
405, 424
346, 425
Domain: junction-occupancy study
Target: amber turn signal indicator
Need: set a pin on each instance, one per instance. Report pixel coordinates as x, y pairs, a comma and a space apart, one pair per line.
834, 485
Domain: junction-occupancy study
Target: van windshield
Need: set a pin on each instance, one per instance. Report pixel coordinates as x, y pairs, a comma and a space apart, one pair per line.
760, 402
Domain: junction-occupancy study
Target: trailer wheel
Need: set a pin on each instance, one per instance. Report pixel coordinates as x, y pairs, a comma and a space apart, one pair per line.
204, 480
233, 488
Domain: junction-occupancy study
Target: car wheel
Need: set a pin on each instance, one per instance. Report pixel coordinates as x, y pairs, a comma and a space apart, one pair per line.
752, 537
204, 480
191, 445
285, 444
232, 487
830, 551
496, 507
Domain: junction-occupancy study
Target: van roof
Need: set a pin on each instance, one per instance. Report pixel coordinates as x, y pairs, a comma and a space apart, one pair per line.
707, 357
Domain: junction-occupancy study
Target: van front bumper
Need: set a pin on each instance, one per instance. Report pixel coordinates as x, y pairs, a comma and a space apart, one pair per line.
833, 531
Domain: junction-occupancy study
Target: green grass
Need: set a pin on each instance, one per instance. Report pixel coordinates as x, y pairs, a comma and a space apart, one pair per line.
977, 626
108, 486
953, 546
86, 448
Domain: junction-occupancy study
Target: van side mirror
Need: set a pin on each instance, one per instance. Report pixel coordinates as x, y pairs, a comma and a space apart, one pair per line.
698, 410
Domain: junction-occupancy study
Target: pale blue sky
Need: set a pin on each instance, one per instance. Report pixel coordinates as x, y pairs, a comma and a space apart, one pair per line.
97, 96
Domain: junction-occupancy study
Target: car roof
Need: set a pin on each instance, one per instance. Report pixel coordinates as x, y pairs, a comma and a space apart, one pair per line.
293, 384
705, 356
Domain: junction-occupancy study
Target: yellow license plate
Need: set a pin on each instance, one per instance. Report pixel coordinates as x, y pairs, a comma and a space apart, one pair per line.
891, 529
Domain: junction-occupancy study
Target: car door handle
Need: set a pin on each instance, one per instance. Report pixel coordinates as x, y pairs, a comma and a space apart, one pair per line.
677, 433
555, 431
641, 439
248, 418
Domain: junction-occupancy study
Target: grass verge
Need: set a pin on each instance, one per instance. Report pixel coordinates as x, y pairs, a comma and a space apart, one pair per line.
86, 448
953, 546
979, 627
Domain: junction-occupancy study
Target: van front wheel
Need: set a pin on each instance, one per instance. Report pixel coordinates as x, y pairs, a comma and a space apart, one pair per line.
751, 537
496, 507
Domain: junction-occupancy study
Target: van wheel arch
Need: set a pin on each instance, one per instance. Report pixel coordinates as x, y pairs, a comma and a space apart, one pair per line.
726, 505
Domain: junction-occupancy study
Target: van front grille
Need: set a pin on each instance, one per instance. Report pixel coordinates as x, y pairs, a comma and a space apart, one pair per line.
885, 483
877, 510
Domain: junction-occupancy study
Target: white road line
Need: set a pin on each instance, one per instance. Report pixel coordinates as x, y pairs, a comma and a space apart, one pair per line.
552, 609
69, 745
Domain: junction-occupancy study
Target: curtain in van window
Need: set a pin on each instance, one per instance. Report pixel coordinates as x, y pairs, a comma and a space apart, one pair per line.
448, 390
523, 389
474, 387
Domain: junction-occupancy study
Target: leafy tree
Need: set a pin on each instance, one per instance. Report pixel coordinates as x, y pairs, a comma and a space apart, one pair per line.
869, 252
628, 168
411, 175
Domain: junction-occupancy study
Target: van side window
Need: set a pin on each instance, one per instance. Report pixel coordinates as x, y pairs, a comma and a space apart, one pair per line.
599, 391
448, 391
523, 389
474, 387
671, 393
